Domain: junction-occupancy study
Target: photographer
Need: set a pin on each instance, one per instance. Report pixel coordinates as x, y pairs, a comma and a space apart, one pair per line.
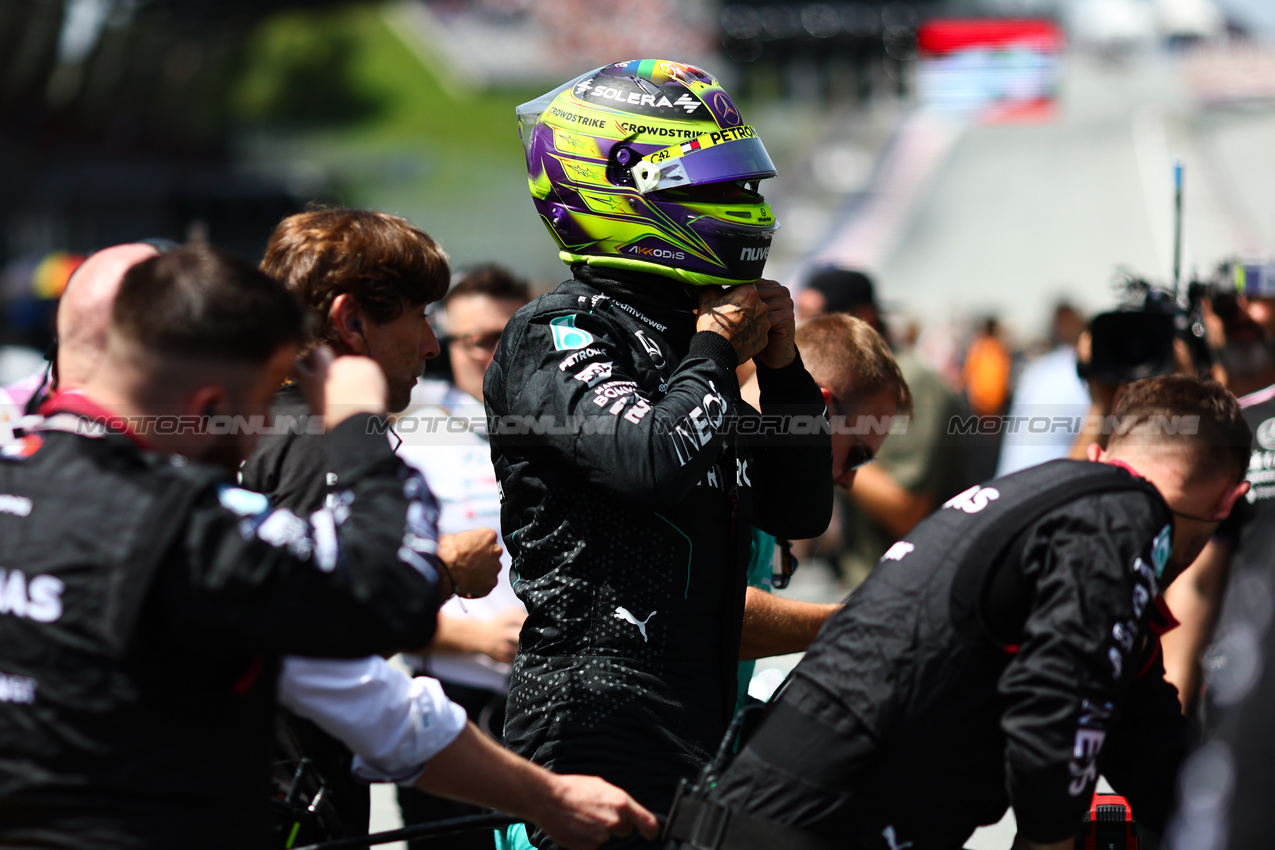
1150, 335
1003, 653
1048, 385
1226, 785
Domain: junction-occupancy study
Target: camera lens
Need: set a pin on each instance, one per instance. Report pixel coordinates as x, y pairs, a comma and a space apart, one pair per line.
1129, 345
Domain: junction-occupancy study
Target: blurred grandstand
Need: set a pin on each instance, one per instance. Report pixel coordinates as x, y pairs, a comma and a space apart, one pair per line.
112, 125
128, 118
495, 41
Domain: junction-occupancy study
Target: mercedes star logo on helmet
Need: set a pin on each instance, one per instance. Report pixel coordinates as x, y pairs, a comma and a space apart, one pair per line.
725, 110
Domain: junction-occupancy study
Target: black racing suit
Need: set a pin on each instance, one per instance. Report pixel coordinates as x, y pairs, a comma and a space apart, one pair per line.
291, 466
627, 508
1004, 652
145, 601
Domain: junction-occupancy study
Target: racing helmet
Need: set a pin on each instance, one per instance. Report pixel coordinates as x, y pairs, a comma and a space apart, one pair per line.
647, 166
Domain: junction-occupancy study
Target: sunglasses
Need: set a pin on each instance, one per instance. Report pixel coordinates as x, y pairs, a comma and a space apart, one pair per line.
859, 455
485, 343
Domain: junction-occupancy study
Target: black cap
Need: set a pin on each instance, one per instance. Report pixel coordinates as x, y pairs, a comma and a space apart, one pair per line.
842, 289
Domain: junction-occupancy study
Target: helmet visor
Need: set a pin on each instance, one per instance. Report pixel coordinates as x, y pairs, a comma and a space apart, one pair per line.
694, 163
529, 113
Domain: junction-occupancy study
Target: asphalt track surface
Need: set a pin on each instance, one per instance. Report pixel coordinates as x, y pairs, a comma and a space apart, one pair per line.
1006, 218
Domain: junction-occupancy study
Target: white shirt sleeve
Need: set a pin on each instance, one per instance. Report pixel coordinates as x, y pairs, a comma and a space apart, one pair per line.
392, 723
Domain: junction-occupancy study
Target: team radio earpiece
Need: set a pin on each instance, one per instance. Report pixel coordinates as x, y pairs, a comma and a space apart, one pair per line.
356, 325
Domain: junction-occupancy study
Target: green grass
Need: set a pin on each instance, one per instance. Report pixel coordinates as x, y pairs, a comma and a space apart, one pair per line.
340, 89
395, 130
345, 74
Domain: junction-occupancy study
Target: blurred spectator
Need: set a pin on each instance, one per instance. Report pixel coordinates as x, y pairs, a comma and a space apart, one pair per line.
1226, 784
985, 379
833, 290
936, 345
919, 467
476, 640
1237, 565
1049, 390
986, 373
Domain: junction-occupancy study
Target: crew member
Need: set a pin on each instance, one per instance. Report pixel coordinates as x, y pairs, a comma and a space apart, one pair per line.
147, 599
476, 639
1002, 653
365, 278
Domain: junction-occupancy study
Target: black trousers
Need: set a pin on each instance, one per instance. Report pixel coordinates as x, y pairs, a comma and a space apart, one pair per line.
808, 768
792, 772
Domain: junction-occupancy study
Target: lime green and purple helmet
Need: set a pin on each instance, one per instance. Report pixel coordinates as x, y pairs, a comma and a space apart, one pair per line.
616, 159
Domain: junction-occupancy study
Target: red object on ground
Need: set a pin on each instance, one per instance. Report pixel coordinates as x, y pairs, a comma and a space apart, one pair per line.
1109, 825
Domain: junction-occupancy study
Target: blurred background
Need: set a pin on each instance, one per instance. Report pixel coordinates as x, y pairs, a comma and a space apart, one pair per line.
978, 157
985, 161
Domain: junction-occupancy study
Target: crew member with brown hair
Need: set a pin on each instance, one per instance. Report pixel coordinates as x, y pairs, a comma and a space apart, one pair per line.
444, 434
365, 278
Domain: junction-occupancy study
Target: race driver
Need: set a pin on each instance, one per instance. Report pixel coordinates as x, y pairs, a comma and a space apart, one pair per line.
615, 421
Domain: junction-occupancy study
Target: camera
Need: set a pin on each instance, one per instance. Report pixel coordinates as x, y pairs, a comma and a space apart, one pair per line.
1137, 340
1236, 277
